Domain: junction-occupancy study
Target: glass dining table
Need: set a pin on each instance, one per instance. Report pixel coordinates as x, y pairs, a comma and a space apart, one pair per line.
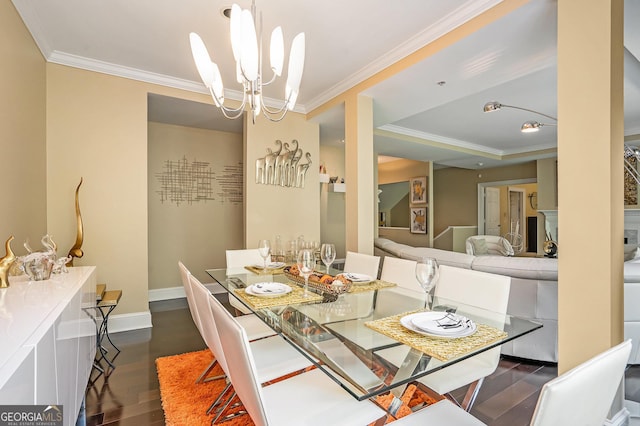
364, 338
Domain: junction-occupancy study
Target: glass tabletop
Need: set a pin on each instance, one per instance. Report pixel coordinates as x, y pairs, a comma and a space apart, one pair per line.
364, 340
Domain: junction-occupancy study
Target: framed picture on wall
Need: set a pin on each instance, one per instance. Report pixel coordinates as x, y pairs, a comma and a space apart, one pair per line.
418, 220
418, 191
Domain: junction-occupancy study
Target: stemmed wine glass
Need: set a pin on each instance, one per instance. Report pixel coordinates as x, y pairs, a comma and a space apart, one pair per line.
427, 274
264, 248
306, 262
328, 255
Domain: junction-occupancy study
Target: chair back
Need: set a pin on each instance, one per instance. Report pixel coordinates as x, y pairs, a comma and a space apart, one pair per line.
242, 367
244, 257
474, 288
362, 264
209, 329
184, 275
401, 272
584, 394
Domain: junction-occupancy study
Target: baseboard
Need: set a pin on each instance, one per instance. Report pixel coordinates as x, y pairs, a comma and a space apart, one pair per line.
166, 293
127, 322
169, 293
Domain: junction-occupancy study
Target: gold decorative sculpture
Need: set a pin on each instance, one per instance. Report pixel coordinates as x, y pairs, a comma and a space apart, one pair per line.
5, 264
76, 250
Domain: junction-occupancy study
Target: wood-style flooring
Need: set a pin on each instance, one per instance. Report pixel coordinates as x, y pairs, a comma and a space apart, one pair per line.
131, 395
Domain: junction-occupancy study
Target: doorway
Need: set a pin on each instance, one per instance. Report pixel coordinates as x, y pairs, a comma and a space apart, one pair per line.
503, 210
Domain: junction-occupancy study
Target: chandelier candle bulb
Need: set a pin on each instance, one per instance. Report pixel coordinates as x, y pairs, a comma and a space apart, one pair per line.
246, 44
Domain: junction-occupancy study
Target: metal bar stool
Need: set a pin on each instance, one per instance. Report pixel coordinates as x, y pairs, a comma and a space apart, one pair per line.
105, 306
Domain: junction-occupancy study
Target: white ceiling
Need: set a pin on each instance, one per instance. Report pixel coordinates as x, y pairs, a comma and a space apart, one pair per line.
512, 61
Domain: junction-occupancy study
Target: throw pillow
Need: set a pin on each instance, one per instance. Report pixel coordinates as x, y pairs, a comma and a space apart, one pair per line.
479, 246
630, 252
505, 247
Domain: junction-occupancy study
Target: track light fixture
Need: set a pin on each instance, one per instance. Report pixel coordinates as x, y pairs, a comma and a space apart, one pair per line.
527, 126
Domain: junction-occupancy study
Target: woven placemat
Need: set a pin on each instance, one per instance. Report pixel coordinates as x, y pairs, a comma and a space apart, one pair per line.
373, 285
442, 349
295, 296
261, 271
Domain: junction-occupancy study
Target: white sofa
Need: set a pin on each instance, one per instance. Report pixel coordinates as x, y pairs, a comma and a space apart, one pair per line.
534, 294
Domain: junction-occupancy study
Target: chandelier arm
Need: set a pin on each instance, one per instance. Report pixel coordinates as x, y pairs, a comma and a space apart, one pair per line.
269, 117
270, 81
230, 113
273, 111
529, 110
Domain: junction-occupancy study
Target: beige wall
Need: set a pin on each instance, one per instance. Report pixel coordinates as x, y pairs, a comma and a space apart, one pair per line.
460, 206
272, 210
332, 204
22, 134
547, 171
97, 129
196, 233
400, 171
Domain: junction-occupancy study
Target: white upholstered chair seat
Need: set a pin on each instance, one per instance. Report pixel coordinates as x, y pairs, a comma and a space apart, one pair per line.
441, 413
318, 401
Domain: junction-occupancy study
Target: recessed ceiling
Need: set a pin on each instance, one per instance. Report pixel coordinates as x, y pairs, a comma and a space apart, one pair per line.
511, 60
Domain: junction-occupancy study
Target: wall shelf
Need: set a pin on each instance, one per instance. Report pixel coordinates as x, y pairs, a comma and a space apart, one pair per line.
337, 187
323, 178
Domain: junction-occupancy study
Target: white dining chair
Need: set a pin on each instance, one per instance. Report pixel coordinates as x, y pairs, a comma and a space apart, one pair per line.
184, 275
362, 264
310, 398
489, 293
482, 290
237, 260
401, 272
256, 328
581, 396
244, 257
275, 358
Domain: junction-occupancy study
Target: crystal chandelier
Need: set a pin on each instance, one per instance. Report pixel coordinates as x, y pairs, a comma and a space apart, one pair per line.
247, 52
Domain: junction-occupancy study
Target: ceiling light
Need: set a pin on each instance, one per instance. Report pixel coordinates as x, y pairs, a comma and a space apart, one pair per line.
246, 45
527, 126
533, 126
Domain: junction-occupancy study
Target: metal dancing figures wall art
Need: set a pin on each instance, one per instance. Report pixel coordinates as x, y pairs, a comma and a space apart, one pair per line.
282, 167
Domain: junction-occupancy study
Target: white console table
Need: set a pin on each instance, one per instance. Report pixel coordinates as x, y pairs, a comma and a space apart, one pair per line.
48, 340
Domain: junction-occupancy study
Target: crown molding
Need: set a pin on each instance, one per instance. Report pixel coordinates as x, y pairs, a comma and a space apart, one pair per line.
108, 68
464, 13
459, 144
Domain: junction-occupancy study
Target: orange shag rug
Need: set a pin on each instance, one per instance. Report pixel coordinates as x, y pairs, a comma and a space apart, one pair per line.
185, 402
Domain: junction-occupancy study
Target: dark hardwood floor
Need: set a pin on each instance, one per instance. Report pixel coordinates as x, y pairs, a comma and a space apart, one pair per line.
131, 396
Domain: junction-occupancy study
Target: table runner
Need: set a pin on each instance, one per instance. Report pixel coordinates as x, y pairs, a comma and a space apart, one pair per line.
373, 285
442, 349
260, 271
295, 296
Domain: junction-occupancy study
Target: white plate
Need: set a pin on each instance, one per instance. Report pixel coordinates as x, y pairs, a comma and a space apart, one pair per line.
423, 318
271, 265
357, 278
268, 289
